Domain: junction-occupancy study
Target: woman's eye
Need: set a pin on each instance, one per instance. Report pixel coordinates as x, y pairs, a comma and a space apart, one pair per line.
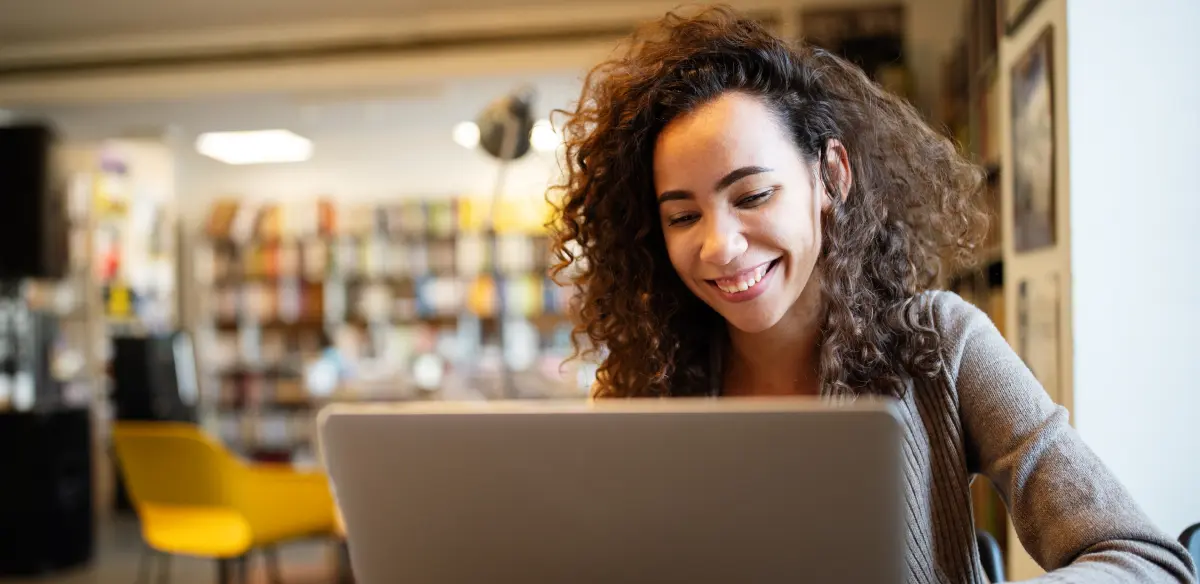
755, 199
681, 219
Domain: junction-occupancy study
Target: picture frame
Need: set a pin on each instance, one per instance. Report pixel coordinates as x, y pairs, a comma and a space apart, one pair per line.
1039, 305
1016, 12
1033, 146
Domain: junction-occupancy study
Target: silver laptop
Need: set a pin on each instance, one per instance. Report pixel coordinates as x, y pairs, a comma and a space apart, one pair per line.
622, 491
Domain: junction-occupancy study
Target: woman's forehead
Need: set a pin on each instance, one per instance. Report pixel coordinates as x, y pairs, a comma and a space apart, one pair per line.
731, 132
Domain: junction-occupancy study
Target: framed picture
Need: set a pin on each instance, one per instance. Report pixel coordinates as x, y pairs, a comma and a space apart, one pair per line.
1033, 153
1038, 308
1016, 12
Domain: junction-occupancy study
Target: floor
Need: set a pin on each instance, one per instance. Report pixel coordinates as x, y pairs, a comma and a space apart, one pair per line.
119, 549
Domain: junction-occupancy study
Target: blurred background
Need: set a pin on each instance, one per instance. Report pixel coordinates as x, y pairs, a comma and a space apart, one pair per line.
225, 215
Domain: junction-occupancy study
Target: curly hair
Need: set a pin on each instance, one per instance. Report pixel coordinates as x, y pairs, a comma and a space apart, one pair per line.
913, 203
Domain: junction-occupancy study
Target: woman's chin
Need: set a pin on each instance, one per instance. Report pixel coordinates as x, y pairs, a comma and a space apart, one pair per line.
750, 323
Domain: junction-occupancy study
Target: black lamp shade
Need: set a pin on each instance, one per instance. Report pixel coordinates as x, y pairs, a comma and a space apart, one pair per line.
493, 123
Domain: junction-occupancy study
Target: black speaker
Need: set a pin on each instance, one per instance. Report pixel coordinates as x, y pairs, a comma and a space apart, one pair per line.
149, 381
46, 519
33, 216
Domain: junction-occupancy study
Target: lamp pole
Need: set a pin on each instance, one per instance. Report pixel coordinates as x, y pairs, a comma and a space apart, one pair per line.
512, 129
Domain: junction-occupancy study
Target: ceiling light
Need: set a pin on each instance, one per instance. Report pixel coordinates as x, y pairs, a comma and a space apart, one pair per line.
543, 137
466, 134
255, 147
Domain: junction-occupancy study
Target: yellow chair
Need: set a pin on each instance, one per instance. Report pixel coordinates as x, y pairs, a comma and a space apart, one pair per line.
195, 498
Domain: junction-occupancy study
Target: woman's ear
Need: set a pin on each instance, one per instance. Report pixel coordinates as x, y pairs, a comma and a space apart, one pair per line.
838, 161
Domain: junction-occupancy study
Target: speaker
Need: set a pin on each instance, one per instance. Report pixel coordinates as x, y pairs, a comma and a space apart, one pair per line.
46, 519
152, 378
33, 217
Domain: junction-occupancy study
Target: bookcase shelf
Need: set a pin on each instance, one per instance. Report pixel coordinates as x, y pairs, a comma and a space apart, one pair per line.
970, 106
366, 291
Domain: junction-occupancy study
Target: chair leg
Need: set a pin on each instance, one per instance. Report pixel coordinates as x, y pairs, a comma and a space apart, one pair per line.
164, 568
271, 559
344, 573
243, 567
224, 571
145, 565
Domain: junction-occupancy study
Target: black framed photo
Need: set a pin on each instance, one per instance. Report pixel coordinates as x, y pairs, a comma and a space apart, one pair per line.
1033, 147
1015, 12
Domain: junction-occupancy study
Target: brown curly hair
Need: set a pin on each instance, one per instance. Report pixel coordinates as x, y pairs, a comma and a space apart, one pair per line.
913, 202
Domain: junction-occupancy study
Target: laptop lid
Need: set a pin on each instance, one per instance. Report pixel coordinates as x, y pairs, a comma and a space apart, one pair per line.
657, 491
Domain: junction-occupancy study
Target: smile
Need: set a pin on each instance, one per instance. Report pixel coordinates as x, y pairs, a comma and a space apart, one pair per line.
746, 284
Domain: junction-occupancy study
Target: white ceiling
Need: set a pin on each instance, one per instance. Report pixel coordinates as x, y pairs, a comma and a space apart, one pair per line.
393, 112
25, 21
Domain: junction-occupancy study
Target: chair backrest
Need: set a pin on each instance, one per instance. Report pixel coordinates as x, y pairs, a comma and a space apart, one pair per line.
1190, 539
990, 556
171, 463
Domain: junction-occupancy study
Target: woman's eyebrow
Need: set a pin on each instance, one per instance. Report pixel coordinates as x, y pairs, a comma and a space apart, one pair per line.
727, 180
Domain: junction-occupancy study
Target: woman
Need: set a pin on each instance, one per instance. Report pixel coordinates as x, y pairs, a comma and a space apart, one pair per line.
747, 218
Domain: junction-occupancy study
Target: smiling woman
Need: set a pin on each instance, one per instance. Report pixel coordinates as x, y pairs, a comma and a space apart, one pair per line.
745, 217
712, 151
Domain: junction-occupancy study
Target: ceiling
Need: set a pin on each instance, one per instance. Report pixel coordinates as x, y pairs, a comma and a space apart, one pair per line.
26, 21
394, 112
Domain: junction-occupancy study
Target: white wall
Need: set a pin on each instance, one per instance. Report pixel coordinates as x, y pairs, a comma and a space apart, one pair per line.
1134, 149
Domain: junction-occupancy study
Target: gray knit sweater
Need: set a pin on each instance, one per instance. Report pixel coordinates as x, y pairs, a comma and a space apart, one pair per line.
987, 414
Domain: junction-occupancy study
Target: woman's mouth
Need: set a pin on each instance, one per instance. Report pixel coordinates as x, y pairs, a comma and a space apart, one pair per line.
746, 285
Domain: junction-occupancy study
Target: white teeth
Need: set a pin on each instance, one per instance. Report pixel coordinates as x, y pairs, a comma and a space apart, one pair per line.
743, 285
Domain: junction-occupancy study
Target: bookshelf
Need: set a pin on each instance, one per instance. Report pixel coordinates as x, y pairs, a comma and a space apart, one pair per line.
308, 303
971, 115
119, 203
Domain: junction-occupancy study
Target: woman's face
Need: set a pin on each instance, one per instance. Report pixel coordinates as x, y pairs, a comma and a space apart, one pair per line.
739, 210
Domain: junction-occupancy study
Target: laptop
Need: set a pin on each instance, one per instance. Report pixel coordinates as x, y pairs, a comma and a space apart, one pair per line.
695, 491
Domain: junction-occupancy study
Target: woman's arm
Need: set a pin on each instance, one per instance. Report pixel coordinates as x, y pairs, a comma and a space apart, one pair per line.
1073, 517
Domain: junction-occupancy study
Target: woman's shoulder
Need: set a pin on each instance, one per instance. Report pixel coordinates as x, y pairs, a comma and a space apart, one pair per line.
949, 310
958, 323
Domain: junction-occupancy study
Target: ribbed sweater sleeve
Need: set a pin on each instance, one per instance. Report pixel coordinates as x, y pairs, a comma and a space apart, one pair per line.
1071, 514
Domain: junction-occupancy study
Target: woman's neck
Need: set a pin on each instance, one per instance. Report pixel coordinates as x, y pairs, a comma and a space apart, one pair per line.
782, 360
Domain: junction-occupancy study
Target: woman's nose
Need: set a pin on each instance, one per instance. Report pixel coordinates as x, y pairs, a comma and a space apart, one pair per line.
723, 242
